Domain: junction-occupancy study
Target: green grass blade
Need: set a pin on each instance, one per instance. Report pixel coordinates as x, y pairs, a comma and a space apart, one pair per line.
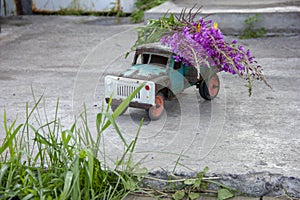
30, 173
5, 121
27, 197
31, 112
11, 174
99, 122
41, 139
113, 122
9, 140
115, 189
123, 105
130, 148
76, 192
90, 165
87, 133
137, 135
3, 171
55, 115
67, 186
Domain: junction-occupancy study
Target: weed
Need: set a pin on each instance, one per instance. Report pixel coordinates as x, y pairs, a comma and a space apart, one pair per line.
142, 6
154, 30
179, 188
48, 162
250, 31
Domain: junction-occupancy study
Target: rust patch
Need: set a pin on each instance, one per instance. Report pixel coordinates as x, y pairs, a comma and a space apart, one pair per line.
18, 5
35, 10
154, 48
33, 7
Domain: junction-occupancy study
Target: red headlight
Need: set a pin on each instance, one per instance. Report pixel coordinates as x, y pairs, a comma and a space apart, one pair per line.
147, 87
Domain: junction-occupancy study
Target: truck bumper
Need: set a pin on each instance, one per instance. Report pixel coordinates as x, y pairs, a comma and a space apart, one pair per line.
132, 104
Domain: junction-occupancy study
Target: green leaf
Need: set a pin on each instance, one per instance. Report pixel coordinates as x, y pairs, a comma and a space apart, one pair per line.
194, 195
205, 170
130, 185
82, 154
189, 181
178, 195
224, 194
204, 186
49, 198
201, 174
198, 182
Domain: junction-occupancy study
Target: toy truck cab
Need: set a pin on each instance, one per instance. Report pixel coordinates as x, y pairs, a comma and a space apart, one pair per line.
164, 77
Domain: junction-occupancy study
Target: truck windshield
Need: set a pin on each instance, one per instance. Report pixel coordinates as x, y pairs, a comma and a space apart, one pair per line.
154, 59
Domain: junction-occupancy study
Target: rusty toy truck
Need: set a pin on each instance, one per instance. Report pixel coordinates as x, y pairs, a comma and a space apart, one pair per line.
155, 64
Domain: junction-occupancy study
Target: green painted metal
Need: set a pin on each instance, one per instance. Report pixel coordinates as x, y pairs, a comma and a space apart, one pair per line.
176, 76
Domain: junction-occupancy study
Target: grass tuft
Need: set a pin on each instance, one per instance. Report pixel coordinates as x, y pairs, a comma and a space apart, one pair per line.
46, 161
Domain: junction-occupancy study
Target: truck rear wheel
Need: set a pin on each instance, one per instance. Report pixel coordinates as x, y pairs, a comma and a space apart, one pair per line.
155, 112
209, 89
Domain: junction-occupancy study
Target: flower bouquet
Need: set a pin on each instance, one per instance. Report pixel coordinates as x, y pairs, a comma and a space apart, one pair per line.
200, 43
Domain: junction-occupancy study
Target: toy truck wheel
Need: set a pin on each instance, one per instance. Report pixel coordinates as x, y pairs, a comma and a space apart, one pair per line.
209, 89
114, 107
155, 112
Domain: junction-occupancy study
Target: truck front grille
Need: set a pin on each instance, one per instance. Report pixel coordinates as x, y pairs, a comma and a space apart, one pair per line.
126, 90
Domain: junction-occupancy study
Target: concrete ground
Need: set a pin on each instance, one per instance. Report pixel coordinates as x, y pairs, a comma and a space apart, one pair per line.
251, 143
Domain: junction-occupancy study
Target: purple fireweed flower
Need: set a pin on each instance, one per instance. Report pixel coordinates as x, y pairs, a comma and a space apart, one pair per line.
200, 41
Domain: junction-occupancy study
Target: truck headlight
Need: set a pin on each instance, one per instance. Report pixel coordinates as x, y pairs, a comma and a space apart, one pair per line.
108, 81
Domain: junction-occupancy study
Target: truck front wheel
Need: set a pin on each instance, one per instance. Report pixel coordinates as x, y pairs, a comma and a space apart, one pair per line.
156, 111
